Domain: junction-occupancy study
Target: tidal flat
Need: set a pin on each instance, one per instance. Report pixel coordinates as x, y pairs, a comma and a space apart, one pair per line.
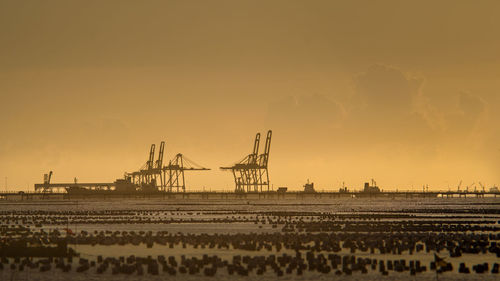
348, 238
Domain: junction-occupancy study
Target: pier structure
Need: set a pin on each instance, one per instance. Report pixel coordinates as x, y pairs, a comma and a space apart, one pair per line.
58, 193
166, 178
151, 177
61, 187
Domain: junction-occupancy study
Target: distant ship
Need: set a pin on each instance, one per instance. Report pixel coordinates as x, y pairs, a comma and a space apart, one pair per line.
122, 187
309, 187
370, 190
373, 188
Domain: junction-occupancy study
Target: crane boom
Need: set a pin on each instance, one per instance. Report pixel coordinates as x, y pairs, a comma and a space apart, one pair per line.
150, 162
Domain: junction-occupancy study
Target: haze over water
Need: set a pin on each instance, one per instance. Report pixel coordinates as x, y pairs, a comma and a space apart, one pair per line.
401, 92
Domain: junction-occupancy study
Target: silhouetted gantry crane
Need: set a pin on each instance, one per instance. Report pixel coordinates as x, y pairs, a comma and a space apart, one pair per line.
251, 173
167, 178
175, 172
46, 183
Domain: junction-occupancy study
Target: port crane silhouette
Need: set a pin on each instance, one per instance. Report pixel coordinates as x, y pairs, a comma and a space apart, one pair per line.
251, 173
168, 178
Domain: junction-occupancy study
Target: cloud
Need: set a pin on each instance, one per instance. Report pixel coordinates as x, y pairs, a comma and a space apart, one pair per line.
387, 108
387, 90
305, 114
381, 130
471, 108
467, 123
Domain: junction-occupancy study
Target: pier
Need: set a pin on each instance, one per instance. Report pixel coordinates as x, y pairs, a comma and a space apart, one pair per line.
60, 193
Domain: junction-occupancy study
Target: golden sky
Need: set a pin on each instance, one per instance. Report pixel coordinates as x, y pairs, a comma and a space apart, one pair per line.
406, 92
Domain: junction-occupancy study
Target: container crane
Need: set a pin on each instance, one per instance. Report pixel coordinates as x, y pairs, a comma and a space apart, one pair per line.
251, 173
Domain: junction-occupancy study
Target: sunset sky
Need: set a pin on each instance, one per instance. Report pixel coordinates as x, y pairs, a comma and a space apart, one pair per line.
405, 92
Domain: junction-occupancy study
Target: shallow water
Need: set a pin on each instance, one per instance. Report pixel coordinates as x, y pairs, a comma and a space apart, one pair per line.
204, 217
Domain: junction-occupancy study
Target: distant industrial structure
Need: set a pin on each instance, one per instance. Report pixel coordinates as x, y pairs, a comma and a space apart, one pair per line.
153, 177
168, 178
309, 187
373, 188
251, 179
251, 173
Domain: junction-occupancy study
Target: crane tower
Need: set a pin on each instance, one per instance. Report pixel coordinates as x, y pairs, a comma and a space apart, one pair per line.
251, 173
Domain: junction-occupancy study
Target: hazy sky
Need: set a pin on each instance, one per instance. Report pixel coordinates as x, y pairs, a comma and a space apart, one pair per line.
406, 92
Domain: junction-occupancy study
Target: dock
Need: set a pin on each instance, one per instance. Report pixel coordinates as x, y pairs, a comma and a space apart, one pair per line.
227, 195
